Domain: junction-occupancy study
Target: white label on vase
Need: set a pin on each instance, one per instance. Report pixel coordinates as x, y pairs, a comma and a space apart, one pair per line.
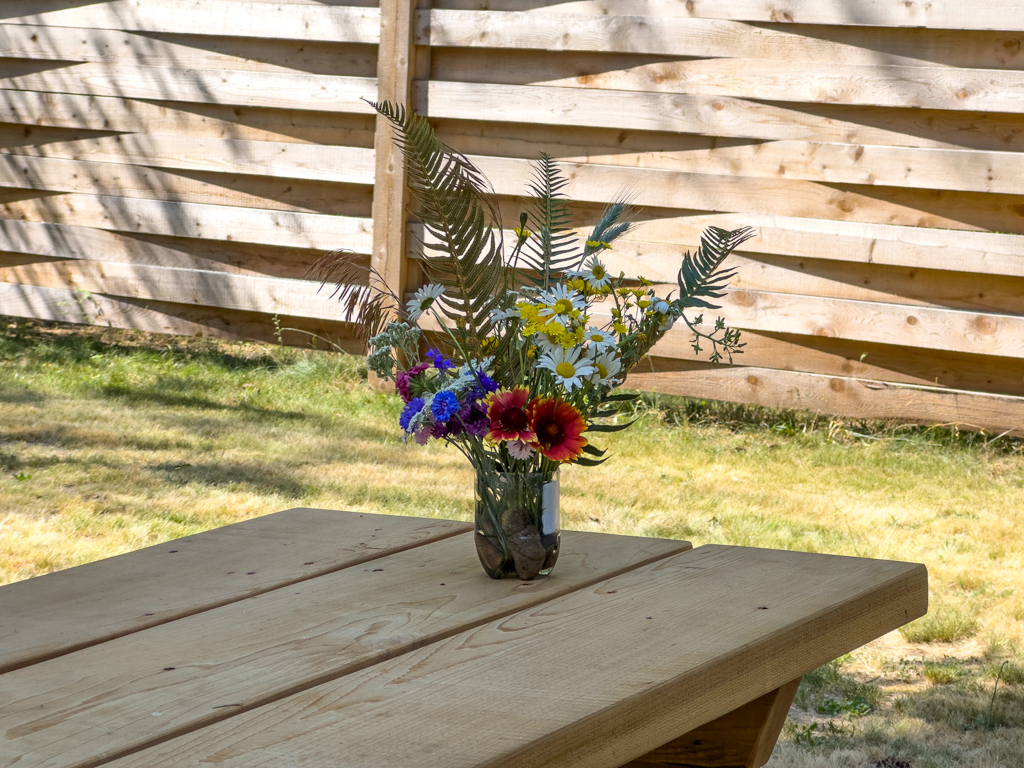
551, 515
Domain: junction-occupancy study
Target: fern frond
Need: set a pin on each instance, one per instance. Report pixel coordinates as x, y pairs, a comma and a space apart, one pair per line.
615, 221
700, 277
456, 205
368, 302
552, 247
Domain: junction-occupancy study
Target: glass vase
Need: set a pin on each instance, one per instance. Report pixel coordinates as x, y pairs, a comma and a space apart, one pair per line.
517, 523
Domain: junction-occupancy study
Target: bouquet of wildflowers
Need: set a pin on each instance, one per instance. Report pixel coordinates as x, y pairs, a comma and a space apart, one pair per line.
530, 340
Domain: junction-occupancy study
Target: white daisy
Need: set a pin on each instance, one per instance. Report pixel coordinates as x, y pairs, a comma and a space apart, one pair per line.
560, 301
422, 300
567, 366
517, 449
497, 315
599, 340
606, 367
595, 273
662, 307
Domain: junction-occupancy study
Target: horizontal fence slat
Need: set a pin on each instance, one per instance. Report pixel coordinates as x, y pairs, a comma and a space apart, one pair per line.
345, 165
848, 397
877, 322
847, 358
115, 47
710, 115
209, 17
981, 90
25, 240
269, 295
994, 14
208, 222
69, 306
694, 36
783, 197
278, 90
141, 182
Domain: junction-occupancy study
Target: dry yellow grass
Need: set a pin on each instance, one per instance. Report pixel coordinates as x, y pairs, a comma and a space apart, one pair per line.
107, 446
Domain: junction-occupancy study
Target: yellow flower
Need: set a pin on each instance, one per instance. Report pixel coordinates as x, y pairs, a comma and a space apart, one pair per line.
644, 302
620, 328
523, 232
489, 345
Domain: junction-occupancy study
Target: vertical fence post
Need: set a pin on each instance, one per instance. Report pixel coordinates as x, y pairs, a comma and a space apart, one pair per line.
395, 69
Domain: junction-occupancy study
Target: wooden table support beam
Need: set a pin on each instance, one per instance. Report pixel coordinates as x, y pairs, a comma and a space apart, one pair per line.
743, 738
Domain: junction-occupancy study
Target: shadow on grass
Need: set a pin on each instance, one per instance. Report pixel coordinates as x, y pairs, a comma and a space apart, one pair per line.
20, 396
256, 477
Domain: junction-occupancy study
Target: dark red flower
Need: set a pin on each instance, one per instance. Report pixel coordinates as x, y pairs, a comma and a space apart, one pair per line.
559, 428
507, 412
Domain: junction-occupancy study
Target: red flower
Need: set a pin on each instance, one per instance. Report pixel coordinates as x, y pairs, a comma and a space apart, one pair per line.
559, 428
507, 412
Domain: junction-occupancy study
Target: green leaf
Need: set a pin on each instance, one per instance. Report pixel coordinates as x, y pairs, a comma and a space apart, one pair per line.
700, 277
457, 207
584, 462
624, 397
610, 427
593, 451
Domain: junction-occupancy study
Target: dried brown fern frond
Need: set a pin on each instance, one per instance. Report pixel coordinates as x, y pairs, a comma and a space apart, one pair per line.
367, 300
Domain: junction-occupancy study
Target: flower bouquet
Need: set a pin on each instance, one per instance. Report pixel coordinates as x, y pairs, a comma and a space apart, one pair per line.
529, 341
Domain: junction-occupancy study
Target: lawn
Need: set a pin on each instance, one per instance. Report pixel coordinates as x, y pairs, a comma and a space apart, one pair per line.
111, 441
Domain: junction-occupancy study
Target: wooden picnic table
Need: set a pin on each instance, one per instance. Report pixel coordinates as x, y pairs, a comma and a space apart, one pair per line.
320, 638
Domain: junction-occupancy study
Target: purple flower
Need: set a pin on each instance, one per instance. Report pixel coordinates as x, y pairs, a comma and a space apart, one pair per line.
403, 378
489, 384
444, 406
413, 407
440, 362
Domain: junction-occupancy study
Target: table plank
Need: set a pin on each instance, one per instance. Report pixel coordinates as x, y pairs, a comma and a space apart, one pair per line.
593, 679
122, 695
60, 612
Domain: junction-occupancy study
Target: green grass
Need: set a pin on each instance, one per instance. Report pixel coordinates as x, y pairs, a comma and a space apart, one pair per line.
111, 441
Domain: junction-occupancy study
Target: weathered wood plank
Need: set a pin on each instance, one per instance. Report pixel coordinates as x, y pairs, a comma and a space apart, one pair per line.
38, 112
269, 295
27, 239
281, 90
67, 306
209, 667
950, 88
698, 635
183, 186
923, 327
290, 21
996, 15
714, 116
857, 359
61, 612
114, 47
694, 36
339, 164
842, 396
209, 222
782, 197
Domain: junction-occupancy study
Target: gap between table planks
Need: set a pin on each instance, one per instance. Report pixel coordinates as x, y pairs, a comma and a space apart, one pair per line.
88, 707
61, 612
596, 678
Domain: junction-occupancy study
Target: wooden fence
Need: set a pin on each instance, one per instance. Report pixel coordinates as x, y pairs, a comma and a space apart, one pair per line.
177, 166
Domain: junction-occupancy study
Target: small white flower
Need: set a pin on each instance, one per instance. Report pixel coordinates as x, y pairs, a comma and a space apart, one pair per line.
422, 300
560, 301
606, 367
518, 449
595, 273
567, 367
662, 307
497, 315
599, 340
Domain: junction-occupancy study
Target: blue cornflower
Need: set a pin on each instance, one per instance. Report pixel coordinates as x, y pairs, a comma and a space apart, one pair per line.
489, 384
413, 407
440, 362
444, 406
